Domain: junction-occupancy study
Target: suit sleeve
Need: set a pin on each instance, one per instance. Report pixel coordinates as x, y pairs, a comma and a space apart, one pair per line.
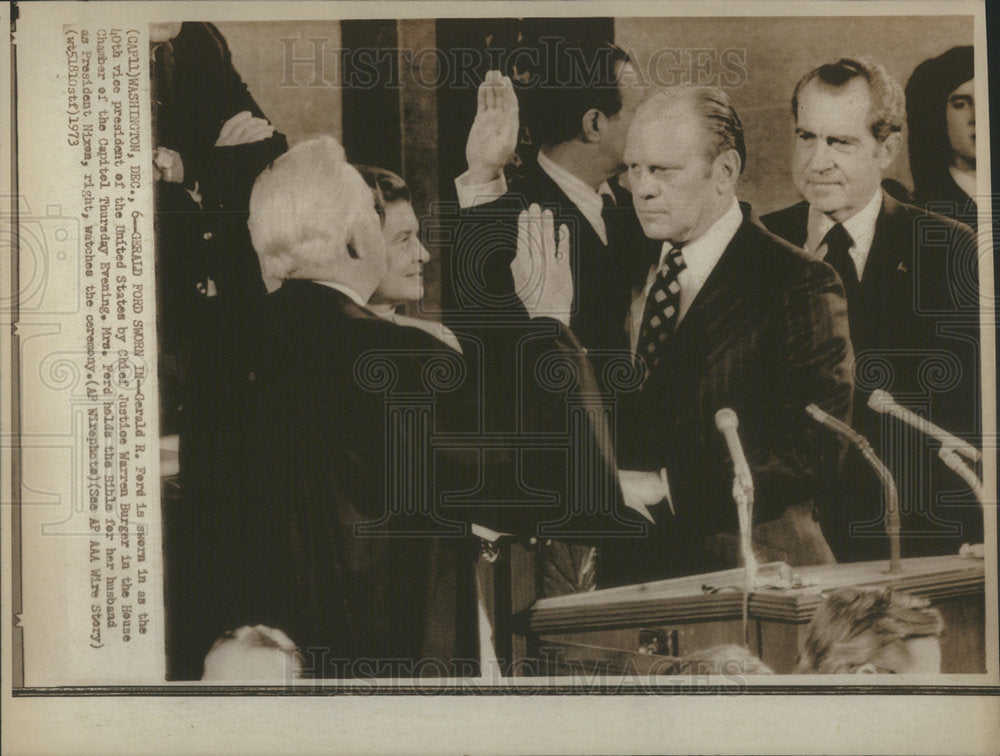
794, 459
225, 175
548, 470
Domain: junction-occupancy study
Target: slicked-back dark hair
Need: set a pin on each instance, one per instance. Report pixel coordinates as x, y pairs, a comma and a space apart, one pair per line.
559, 80
722, 125
888, 102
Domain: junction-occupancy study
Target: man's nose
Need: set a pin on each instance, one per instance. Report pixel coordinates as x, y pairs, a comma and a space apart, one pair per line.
422, 254
645, 186
821, 158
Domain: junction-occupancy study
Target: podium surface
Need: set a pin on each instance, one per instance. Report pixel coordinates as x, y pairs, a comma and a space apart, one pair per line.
678, 616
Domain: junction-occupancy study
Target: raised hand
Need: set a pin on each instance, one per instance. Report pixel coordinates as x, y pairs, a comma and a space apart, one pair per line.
244, 128
542, 276
493, 136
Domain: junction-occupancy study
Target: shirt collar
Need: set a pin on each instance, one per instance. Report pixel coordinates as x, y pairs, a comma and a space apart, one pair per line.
965, 180
587, 200
860, 226
355, 297
702, 254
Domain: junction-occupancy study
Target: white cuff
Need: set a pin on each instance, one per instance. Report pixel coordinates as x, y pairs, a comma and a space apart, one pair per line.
473, 195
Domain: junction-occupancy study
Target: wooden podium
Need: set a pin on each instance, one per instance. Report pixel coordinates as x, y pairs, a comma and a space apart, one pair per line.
631, 628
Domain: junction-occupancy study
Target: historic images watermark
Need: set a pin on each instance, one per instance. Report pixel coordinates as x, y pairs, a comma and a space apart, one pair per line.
551, 64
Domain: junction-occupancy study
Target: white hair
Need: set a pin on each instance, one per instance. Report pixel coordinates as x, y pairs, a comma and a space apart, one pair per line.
303, 208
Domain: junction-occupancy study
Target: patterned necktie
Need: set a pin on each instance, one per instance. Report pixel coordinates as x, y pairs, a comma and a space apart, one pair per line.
662, 307
838, 244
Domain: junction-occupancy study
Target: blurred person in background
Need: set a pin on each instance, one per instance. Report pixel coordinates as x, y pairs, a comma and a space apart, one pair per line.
941, 115
873, 631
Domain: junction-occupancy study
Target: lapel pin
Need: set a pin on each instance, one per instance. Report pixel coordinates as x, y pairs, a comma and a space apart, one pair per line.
902, 268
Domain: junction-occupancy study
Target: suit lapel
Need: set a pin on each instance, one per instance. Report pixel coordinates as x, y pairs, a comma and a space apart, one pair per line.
886, 264
791, 224
714, 317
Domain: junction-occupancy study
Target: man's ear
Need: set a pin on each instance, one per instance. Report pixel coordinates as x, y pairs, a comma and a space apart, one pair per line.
726, 170
592, 125
354, 249
889, 149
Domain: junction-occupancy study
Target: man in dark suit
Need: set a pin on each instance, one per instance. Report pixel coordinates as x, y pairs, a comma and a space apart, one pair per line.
579, 131
211, 142
912, 289
730, 316
350, 535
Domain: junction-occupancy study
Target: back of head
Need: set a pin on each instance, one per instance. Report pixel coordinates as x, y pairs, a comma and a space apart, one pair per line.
887, 99
723, 660
926, 102
559, 80
256, 653
857, 630
302, 210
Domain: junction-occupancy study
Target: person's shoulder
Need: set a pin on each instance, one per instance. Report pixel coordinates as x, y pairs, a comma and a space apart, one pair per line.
755, 233
203, 37
920, 220
778, 259
789, 221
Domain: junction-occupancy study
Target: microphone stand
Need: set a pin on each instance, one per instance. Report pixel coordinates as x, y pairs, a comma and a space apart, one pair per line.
892, 526
950, 456
726, 422
952, 448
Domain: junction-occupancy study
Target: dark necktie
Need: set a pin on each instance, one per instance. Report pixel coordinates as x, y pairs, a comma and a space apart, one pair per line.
838, 244
659, 317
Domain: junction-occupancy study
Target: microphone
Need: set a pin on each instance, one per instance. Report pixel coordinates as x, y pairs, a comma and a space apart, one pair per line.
727, 423
882, 401
892, 526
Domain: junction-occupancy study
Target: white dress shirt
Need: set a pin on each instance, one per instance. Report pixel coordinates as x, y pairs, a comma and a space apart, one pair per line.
966, 181
700, 257
345, 290
439, 331
860, 227
588, 201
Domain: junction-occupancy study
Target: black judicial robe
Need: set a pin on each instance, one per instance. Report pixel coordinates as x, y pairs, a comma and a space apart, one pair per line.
342, 397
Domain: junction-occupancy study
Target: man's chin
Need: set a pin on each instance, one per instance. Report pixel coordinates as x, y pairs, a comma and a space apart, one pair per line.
824, 201
655, 230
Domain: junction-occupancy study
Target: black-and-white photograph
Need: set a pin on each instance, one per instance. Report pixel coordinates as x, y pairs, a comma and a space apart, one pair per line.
579, 331
640, 354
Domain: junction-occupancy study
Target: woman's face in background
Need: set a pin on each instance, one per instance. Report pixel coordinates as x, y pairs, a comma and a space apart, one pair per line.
960, 114
405, 255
